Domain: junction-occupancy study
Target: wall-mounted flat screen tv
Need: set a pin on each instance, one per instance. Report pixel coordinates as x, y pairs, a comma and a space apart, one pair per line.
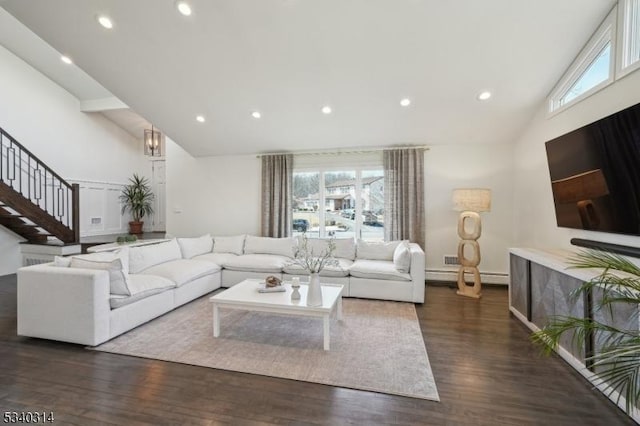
595, 174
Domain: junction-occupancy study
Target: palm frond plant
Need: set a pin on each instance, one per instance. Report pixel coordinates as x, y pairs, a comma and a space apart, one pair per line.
137, 198
616, 358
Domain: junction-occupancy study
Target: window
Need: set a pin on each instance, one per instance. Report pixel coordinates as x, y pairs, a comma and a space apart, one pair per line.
593, 68
596, 73
339, 203
591, 71
629, 36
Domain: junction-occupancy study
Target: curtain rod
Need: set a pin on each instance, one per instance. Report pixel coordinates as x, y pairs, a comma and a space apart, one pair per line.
352, 151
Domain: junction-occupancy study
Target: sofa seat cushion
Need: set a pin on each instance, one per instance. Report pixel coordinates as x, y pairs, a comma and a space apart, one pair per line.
258, 263
141, 286
341, 270
220, 259
182, 271
378, 270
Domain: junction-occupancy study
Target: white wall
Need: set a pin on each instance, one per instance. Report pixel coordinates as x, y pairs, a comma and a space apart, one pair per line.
534, 218
217, 195
468, 166
47, 120
221, 195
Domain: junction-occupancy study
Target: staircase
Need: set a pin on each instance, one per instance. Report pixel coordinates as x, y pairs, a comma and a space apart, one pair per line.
35, 202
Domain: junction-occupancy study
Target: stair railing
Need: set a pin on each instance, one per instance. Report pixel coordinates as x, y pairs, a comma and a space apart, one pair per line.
34, 180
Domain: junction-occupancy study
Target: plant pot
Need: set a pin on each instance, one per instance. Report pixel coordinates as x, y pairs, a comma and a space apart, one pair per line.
135, 228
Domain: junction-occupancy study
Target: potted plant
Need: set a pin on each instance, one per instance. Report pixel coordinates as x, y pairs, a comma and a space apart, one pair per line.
137, 198
618, 358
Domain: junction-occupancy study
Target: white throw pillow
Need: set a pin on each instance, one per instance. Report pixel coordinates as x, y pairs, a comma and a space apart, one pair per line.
376, 251
233, 245
191, 247
402, 257
107, 261
267, 245
62, 262
105, 256
144, 257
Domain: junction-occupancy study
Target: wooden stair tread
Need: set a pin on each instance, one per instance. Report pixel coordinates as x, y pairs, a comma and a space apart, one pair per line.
16, 208
28, 217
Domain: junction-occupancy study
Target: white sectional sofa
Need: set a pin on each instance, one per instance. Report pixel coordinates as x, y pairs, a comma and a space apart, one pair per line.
89, 299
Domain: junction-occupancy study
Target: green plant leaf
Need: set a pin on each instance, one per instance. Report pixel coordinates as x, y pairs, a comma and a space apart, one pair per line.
617, 360
137, 198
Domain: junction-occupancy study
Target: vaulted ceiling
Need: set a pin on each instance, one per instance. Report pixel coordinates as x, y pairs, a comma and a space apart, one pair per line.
289, 58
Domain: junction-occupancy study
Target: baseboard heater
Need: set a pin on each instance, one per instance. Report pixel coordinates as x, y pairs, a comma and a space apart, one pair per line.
614, 248
452, 276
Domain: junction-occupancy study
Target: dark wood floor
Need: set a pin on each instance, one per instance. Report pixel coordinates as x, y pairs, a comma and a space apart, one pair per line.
486, 371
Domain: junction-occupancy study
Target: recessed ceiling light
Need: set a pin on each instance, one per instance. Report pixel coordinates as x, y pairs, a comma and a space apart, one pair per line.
200, 119
67, 60
256, 114
105, 21
326, 109
184, 8
483, 96
405, 102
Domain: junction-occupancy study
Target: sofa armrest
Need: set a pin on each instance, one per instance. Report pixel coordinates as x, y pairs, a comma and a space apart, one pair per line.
417, 272
66, 304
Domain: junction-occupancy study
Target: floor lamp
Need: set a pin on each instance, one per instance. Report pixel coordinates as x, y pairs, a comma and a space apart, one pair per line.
470, 202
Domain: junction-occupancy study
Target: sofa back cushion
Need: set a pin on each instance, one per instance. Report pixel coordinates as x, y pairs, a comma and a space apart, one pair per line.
233, 245
267, 245
376, 251
345, 247
191, 247
143, 257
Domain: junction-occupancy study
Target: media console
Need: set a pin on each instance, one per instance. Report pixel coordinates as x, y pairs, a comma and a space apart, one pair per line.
540, 286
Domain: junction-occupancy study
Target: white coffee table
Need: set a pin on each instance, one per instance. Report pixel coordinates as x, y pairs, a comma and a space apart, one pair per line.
245, 296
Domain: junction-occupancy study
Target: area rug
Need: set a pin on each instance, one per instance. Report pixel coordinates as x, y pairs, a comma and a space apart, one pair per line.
377, 347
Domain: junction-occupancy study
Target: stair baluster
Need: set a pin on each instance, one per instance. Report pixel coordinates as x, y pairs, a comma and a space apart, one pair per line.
47, 200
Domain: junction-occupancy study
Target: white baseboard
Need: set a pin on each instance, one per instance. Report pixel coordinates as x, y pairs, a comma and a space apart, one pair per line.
485, 277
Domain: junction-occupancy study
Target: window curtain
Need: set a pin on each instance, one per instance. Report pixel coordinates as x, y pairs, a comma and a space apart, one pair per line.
277, 183
404, 195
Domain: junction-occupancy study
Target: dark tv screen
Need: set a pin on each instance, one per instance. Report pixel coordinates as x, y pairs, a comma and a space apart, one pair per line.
595, 174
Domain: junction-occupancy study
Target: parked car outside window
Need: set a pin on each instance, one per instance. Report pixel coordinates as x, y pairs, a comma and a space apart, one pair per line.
300, 225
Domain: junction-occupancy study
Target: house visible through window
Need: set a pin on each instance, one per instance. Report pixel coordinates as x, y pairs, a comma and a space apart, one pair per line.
340, 204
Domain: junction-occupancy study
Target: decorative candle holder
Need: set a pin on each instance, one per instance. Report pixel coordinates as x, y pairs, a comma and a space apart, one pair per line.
295, 286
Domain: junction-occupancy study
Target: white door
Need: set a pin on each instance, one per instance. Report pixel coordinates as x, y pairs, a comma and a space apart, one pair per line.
159, 187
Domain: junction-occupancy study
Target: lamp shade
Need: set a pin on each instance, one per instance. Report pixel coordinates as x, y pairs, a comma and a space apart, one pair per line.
583, 186
471, 199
